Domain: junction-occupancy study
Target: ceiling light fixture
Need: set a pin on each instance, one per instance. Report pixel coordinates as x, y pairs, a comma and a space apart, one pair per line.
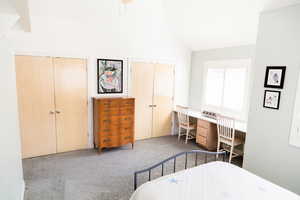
127, 1
123, 6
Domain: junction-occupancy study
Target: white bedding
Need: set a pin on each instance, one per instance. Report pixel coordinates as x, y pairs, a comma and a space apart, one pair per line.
212, 181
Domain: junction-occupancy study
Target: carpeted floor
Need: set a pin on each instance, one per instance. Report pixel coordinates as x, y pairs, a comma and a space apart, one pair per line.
88, 175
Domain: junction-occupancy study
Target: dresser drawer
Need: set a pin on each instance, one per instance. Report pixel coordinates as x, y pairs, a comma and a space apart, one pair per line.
109, 103
201, 140
109, 120
126, 119
111, 141
127, 103
203, 123
127, 139
202, 131
126, 111
109, 129
126, 130
109, 111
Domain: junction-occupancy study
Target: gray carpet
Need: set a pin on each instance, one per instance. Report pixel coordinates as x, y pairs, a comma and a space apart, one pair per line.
88, 175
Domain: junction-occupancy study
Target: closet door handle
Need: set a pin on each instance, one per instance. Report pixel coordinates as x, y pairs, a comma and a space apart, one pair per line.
58, 111
152, 106
51, 112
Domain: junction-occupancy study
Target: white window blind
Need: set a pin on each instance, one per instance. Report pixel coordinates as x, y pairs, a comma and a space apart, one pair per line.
226, 87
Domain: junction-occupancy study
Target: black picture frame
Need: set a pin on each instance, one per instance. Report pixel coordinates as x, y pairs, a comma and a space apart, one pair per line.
278, 99
99, 89
268, 70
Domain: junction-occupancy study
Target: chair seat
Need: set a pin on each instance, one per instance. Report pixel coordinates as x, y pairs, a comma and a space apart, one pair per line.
236, 142
191, 126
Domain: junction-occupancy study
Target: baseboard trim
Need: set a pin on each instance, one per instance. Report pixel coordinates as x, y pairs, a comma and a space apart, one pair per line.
22, 190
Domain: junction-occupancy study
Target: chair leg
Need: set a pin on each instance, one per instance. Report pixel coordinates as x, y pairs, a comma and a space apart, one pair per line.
179, 131
231, 151
218, 149
187, 135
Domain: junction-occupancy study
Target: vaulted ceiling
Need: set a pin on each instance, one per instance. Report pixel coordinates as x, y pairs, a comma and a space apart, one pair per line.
198, 24
206, 24
14, 13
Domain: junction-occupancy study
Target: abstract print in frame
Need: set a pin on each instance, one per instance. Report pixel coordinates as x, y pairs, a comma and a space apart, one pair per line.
110, 76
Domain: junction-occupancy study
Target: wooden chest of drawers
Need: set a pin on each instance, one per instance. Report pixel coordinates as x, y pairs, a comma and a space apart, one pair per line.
113, 122
207, 135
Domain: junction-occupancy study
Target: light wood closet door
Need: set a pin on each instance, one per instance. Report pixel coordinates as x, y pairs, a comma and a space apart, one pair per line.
163, 99
71, 104
35, 90
142, 89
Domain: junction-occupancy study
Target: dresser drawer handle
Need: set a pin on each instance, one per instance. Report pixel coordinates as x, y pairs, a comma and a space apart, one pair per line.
127, 137
106, 120
126, 118
106, 140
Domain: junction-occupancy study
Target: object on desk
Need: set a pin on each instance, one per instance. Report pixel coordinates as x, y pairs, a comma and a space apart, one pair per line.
207, 134
275, 77
209, 114
272, 99
185, 124
226, 135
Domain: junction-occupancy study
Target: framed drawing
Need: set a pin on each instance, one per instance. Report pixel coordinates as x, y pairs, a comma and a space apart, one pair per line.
272, 99
275, 77
109, 76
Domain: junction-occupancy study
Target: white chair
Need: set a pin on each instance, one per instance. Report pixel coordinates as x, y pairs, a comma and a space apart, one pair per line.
226, 135
185, 124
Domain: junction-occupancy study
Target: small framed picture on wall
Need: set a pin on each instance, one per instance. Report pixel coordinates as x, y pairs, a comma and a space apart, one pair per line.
275, 77
272, 99
109, 76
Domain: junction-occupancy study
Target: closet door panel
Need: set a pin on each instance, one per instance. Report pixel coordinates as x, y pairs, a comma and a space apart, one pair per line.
142, 90
163, 99
35, 88
71, 104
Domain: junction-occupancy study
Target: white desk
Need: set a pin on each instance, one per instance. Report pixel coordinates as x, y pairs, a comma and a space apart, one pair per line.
239, 126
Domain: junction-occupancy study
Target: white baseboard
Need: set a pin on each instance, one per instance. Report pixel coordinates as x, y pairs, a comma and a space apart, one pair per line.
22, 190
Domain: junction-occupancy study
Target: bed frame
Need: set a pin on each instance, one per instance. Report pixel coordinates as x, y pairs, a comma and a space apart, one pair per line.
162, 163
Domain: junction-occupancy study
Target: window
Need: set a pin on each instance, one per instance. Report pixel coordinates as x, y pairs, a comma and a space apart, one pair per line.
226, 87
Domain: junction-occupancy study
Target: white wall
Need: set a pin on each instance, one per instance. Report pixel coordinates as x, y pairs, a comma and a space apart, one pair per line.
11, 174
198, 60
104, 29
267, 150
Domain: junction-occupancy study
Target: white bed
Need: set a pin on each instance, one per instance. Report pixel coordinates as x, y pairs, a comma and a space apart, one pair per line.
212, 181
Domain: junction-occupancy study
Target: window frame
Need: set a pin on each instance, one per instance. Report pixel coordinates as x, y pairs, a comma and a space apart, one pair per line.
228, 64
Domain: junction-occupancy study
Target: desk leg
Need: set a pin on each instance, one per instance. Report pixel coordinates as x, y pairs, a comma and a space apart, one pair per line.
174, 123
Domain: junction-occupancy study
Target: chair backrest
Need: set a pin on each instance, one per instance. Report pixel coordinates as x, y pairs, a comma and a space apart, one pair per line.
183, 117
226, 127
